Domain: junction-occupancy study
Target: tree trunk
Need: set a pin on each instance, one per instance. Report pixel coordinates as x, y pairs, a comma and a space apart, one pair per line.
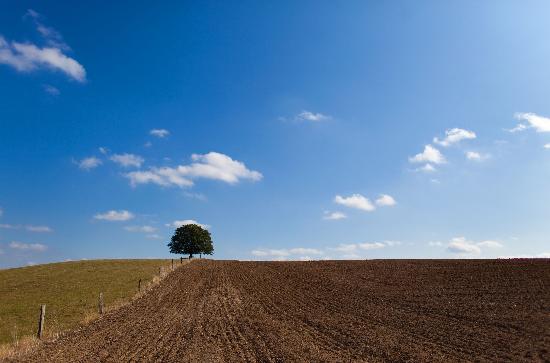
190, 256
200, 255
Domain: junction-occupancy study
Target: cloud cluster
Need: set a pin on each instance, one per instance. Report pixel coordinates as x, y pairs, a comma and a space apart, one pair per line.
333, 216
160, 133
114, 216
464, 247
127, 160
34, 247
88, 163
28, 57
431, 156
358, 201
311, 116
215, 166
539, 123
346, 251
453, 136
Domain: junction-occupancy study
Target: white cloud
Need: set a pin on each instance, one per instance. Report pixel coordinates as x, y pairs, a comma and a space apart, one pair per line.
154, 236
427, 168
279, 253
333, 216
546, 146
48, 88
142, 229
35, 247
435, 244
177, 224
356, 201
159, 132
345, 247
103, 150
518, 128
539, 123
89, 163
490, 244
385, 201
454, 136
215, 166
39, 229
27, 57
304, 251
311, 116
371, 246
115, 216
475, 156
462, 246
429, 155
127, 160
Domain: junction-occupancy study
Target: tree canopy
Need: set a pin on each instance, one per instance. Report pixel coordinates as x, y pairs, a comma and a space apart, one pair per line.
191, 239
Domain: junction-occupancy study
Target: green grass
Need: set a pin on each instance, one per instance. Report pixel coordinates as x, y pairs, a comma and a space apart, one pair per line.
70, 291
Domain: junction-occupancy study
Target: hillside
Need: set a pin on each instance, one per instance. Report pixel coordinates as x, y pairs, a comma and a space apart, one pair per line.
69, 290
381, 310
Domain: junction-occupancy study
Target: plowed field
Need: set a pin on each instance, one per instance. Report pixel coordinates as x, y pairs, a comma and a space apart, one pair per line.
331, 311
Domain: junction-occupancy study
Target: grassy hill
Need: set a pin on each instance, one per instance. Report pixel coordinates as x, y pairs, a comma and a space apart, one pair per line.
70, 291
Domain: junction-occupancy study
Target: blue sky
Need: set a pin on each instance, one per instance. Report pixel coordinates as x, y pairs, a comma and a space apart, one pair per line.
293, 130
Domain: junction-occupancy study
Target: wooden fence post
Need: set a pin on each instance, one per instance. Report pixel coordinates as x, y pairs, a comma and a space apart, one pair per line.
41, 321
172, 264
139, 285
100, 305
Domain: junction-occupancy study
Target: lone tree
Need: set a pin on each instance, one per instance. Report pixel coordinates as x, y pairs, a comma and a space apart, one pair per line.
191, 239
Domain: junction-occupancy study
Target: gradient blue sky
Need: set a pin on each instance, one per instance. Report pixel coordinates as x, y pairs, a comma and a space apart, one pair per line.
293, 129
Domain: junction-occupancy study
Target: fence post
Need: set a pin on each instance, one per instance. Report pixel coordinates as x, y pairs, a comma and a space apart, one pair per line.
172, 264
139, 285
100, 305
41, 321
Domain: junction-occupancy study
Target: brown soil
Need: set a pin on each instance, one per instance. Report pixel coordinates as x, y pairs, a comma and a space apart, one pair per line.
333, 311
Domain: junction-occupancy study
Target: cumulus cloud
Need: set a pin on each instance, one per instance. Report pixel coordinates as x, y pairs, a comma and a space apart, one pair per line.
371, 246
215, 166
475, 156
89, 163
27, 57
539, 123
142, 229
546, 146
39, 229
356, 201
127, 160
160, 133
311, 116
115, 216
34, 247
429, 155
454, 136
464, 247
334, 216
385, 201
177, 224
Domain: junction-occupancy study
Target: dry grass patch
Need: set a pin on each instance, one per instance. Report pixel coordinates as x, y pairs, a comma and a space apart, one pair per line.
70, 291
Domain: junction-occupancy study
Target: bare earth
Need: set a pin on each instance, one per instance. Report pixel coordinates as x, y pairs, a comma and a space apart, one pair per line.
333, 311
